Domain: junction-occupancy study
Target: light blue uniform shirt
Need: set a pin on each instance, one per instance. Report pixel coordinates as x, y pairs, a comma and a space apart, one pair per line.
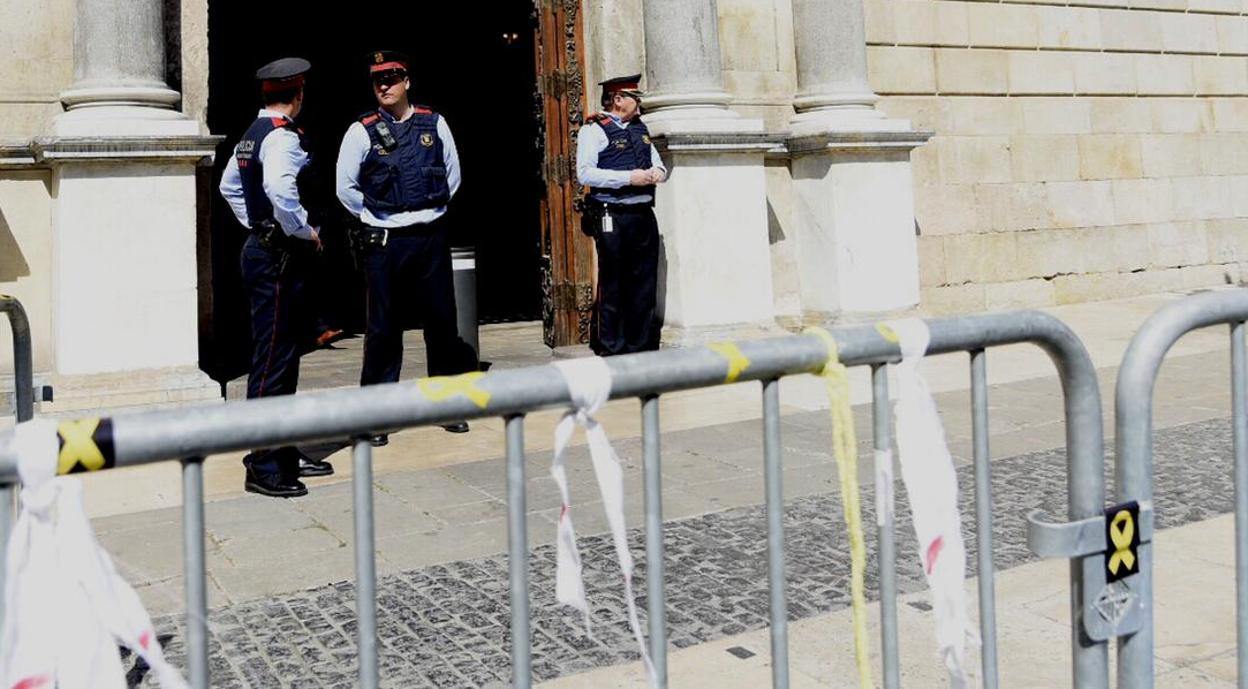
355, 147
591, 141
282, 158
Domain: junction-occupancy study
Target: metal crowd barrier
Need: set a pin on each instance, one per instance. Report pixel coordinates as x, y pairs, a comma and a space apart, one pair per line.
23, 364
24, 409
191, 435
1133, 465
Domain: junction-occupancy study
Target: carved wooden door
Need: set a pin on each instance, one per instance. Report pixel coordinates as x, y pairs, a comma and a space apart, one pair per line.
567, 255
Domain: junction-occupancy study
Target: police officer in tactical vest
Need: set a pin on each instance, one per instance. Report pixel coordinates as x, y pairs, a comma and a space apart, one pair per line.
615, 159
397, 171
261, 184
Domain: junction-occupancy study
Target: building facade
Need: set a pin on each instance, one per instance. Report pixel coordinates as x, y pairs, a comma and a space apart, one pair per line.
831, 160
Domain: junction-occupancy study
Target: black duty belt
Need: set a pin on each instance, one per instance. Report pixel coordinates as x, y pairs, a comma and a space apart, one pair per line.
620, 208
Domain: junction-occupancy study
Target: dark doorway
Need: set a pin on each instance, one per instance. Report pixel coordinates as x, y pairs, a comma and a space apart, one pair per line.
474, 66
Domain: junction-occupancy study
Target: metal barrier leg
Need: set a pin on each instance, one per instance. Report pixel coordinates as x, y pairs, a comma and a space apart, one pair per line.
518, 556
775, 535
8, 505
24, 408
881, 417
1239, 423
656, 601
983, 517
365, 562
23, 366
195, 571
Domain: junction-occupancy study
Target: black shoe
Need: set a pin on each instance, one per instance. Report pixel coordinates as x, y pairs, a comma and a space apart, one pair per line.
379, 439
309, 467
457, 427
273, 485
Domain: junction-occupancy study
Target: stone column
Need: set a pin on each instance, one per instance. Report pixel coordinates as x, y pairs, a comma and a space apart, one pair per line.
832, 87
854, 201
119, 86
715, 267
124, 162
684, 76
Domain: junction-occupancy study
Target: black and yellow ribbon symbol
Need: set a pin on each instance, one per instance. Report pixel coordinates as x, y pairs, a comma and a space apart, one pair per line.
1121, 531
85, 445
1122, 557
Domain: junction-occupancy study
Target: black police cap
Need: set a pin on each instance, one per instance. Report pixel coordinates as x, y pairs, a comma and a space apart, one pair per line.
283, 69
387, 60
627, 84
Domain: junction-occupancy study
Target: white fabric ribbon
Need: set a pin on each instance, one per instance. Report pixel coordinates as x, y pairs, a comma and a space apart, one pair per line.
589, 384
931, 482
66, 608
883, 487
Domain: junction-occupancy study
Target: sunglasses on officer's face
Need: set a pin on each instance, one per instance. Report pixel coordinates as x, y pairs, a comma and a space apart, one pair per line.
388, 79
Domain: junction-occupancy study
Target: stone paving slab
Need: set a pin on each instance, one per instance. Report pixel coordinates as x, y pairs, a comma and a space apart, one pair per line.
1194, 615
446, 625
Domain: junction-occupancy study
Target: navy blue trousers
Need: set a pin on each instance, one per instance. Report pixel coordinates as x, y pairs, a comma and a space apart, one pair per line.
279, 319
628, 278
412, 273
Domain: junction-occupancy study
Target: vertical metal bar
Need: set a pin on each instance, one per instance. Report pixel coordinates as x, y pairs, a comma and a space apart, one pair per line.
518, 556
23, 366
1239, 423
775, 534
195, 571
881, 417
365, 562
24, 409
983, 517
655, 600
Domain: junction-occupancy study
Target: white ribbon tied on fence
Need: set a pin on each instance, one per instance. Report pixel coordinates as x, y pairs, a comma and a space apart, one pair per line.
66, 608
589, 384
931, 482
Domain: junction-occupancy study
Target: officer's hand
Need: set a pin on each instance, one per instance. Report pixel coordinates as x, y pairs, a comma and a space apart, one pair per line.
657, 176
316, 239
639, 178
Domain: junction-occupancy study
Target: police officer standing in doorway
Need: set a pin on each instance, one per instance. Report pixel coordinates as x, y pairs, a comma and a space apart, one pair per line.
615, 159
397, 171
260, 184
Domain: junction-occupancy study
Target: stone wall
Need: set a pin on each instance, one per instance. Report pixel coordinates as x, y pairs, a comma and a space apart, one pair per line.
1081, 153
26, 259
36, 63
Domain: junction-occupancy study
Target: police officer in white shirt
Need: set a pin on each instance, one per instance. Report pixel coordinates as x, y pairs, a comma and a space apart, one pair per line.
397, 171
615, 159
260, 184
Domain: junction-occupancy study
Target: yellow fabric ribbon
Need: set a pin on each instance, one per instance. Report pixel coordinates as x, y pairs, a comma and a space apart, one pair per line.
845, 448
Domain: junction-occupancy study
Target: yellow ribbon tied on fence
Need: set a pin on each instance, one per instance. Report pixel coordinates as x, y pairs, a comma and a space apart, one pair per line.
845, 448
442, 388
79, 451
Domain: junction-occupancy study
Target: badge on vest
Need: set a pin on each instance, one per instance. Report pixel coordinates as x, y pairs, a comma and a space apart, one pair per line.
426, 140
621, 144
381, 150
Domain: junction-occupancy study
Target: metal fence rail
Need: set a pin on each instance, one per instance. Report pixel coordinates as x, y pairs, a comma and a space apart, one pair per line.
190, 435
1133, 462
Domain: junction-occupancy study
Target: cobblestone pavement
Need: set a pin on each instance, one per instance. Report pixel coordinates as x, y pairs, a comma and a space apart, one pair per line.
447, 625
